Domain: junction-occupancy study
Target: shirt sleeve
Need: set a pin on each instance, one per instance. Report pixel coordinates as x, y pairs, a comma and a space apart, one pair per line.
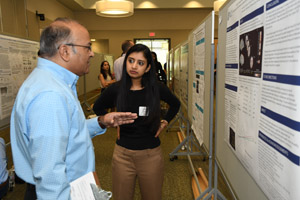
167, 96
94, 127
48, 118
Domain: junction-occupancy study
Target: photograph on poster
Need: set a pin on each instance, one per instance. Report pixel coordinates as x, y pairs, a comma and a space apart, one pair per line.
250, 57
232, 137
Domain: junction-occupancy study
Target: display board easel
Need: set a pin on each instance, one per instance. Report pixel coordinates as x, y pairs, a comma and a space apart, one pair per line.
181, 65
200, 104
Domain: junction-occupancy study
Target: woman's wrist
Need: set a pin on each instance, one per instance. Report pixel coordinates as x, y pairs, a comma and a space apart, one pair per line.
163, 121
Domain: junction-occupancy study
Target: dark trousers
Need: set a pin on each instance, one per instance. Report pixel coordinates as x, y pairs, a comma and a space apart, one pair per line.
3, 188
30, 193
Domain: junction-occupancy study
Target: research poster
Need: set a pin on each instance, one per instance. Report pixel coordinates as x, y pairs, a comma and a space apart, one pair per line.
184, 74
262, 92
170, 71
18, 58
198, 82
177, 72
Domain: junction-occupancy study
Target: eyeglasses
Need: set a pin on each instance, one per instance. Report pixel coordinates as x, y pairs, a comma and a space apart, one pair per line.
78, 45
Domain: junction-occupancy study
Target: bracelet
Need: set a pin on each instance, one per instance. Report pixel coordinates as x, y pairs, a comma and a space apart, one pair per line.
100, 123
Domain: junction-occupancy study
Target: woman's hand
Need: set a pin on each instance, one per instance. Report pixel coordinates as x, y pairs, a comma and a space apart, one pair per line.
163, 124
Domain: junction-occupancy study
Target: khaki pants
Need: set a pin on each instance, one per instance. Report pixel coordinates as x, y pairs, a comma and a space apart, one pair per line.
146, 165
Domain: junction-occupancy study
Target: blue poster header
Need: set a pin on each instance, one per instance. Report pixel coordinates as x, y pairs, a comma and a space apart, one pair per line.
281, 119
252, 15
280, 78
231, 87
274, 3
200, 72
282, 150
230, 28
232, 66
200, 41
199, 107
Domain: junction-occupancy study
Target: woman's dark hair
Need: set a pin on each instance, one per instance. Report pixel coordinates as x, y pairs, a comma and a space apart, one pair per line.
102, 71
149, 83
153, 53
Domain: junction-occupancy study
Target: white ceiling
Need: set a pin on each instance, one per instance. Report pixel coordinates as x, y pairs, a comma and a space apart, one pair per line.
80, 5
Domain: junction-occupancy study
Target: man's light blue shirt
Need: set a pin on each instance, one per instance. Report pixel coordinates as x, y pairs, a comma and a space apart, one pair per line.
50, 137
3, 162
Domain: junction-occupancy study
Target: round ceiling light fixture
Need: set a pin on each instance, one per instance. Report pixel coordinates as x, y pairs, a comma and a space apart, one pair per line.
114, 8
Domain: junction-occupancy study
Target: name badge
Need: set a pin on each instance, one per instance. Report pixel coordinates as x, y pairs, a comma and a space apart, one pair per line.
143, 111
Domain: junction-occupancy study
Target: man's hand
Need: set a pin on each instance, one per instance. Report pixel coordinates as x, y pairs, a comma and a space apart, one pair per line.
116, 119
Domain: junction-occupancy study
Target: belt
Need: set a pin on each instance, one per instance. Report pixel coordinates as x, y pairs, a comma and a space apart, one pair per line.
4, 183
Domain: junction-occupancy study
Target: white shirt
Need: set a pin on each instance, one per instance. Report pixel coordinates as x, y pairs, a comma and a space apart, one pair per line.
118, 67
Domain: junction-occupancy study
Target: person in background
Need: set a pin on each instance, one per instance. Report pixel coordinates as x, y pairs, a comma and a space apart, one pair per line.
105, 77
160, 73
118, 64
137, 152
3, 169
50, 138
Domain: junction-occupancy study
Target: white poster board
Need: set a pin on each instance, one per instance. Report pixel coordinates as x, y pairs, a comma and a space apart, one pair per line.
198, 82
18, 58
184, 59
177, 71
262, 92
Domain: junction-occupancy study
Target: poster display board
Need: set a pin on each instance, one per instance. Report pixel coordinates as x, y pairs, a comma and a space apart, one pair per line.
183, 79
18, 58
170, 70
177, 71
198, 82
262, 92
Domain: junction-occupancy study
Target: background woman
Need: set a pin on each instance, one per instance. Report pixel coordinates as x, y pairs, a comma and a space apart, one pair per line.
137, 152
105, 77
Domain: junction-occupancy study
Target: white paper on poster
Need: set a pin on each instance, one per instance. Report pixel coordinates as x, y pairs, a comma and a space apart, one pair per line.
18, 58
198, 82
262, 92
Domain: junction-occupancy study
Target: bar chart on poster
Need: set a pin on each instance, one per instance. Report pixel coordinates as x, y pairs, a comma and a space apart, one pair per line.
18, 58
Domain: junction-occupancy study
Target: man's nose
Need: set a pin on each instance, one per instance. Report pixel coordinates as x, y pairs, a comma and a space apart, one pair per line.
92, 54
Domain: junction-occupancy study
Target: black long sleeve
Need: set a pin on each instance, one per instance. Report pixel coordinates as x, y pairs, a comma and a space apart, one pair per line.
174, 104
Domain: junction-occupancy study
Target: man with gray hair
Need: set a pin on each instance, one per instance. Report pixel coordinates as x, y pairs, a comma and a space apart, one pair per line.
50, 137
118, 64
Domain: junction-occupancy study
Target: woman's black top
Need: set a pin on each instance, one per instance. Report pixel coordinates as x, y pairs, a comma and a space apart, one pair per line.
136, 136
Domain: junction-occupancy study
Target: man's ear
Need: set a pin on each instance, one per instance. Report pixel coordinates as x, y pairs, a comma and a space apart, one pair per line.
149, 67
64, 52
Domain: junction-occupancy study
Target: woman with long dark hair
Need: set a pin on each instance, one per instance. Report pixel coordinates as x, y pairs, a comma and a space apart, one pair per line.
137, 152
105, 77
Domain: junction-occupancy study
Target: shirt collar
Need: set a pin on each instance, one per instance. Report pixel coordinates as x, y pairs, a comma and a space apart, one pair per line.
65, 75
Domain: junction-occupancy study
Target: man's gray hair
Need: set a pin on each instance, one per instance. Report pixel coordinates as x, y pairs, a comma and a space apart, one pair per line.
55, 35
